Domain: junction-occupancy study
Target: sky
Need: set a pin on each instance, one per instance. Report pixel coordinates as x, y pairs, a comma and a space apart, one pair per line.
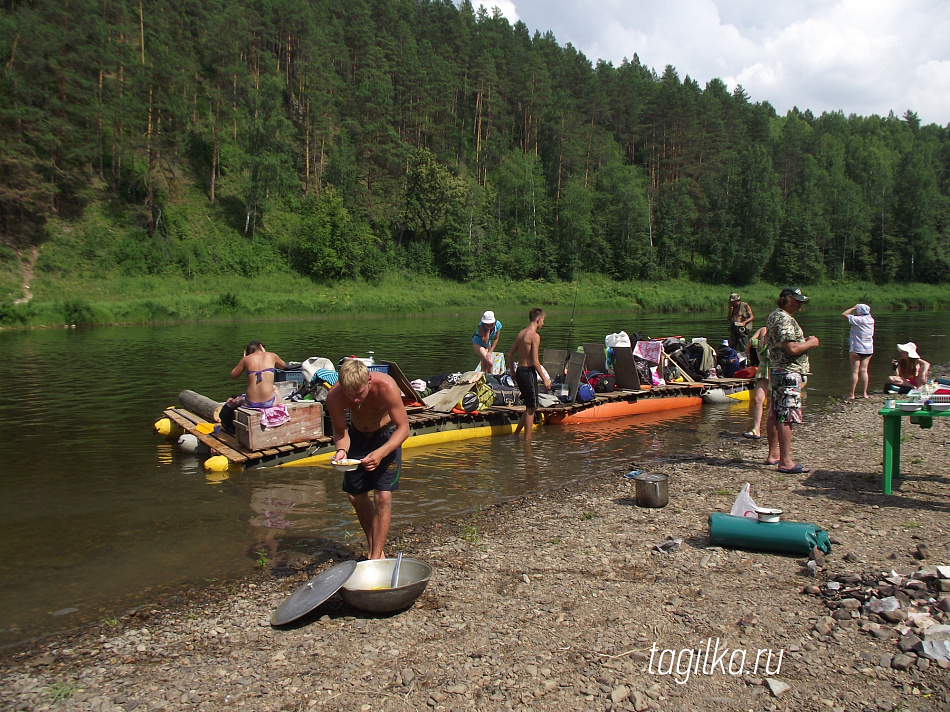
857, 56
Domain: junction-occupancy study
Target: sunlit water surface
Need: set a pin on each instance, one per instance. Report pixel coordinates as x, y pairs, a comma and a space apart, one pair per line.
98, 513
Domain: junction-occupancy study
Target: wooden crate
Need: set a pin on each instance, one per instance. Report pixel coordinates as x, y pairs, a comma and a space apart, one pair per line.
306, 423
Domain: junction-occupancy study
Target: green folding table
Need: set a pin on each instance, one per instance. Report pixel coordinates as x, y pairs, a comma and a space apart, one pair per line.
892, 437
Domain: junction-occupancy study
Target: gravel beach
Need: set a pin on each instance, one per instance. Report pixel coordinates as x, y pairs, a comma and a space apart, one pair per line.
560, 600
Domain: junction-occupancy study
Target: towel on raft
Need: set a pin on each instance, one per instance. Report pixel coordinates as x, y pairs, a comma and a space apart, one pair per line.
648, 350
274, 416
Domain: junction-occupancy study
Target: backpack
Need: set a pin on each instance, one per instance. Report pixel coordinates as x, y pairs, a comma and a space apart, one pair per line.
728, 361
477, 399
485, 395
507, 396
601, 382
585, 393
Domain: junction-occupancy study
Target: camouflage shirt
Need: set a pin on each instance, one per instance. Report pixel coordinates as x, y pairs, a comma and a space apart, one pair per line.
782, 327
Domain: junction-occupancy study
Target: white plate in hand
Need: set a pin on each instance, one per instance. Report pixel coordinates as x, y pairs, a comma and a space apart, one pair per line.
347, 465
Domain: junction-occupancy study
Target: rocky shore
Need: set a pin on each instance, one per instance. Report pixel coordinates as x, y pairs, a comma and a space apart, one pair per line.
560, 600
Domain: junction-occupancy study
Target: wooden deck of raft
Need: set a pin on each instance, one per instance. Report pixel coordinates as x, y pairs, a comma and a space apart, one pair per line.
420, 420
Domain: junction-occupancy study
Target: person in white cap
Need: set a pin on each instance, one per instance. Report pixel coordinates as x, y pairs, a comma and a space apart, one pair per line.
912, 370
861, 345
486, 339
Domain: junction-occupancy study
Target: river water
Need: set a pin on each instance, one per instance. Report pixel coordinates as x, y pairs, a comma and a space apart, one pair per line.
98, 513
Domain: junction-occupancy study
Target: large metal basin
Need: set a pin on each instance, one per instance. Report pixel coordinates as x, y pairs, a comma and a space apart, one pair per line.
368, 587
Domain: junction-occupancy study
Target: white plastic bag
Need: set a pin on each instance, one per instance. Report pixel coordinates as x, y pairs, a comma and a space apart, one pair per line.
313, 364
744, 506
618, 339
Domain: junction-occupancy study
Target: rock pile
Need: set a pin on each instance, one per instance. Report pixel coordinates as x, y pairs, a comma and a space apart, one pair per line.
909, 609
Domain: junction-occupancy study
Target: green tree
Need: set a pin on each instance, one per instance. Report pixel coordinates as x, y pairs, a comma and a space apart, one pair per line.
266, 163
330, 242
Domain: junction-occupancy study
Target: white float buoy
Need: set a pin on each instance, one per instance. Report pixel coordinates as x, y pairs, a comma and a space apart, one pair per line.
190, 444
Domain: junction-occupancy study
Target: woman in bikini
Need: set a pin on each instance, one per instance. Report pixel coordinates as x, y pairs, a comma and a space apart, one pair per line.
260, 365
912, 370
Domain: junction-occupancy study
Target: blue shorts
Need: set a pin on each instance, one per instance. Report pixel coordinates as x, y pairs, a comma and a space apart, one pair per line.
384, 478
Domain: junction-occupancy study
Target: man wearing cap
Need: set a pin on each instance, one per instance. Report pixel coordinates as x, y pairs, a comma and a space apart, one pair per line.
912, 370
486, 339
788, 352
740, 323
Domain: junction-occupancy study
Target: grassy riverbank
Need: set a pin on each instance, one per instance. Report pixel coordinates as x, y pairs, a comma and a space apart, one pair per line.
125, 300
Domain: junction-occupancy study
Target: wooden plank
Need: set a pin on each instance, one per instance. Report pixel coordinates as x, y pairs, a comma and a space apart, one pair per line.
404, 385
553, 361
445, 400
210, 440
182, 420
625, 369
232, 443
575, 369
596, 357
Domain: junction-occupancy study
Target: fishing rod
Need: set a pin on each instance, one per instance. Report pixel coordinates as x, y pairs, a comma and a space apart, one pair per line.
570, 329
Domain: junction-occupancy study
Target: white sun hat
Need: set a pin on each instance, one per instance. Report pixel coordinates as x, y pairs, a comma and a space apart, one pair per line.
910, 348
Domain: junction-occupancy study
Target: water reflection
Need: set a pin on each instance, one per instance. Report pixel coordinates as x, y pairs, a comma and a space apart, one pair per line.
277, 508
98, 512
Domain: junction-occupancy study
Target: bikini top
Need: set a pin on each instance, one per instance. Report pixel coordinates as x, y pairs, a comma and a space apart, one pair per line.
258, 373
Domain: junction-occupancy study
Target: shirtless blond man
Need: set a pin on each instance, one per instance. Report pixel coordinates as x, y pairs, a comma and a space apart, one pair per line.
528, 346
260, 365
378, 427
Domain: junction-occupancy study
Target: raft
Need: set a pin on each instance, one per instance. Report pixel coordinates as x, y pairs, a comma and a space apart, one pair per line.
430, 425
621, 404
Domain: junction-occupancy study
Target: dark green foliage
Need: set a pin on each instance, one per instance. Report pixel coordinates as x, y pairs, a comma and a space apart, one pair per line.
353, 139
11, 315
330, 244
76, 312
229, 300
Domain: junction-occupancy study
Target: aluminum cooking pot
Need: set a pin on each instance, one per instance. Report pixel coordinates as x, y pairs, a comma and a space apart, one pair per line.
370, 588
652, 490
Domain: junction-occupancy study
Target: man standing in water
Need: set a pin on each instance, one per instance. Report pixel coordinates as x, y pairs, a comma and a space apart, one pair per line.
788, 352
378, 427
260, 365
740, 323
528, 346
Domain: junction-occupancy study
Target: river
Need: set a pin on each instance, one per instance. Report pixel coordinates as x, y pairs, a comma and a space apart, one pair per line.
98, 513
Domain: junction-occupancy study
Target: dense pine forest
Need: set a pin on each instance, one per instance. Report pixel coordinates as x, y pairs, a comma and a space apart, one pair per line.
352, 139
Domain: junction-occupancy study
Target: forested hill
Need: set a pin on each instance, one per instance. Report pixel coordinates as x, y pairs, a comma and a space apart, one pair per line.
343, 139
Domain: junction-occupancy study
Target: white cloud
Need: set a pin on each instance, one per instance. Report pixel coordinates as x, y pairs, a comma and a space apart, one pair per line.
857, 56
